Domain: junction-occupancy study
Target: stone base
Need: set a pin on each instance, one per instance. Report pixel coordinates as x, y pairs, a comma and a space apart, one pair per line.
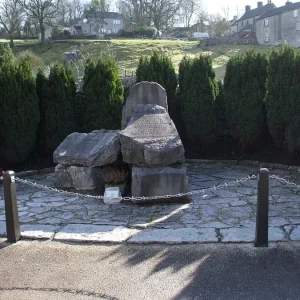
159, 182
79, 178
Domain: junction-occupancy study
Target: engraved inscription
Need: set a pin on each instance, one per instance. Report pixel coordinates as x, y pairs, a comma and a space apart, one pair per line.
152, 126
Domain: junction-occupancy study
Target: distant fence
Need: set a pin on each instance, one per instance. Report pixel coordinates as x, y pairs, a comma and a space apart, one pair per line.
126, 73
229, 40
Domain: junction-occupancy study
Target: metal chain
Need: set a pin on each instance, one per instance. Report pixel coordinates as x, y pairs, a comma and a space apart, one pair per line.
287, 182
225, 185
48, 188
202, 191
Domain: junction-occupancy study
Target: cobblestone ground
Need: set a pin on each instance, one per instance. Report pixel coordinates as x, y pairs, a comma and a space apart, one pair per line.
221, 215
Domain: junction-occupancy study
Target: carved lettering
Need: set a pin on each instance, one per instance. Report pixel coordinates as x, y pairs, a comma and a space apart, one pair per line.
151, 126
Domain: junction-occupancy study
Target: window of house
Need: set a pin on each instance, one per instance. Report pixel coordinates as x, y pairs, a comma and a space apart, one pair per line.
109, 31
298, 40
298, 26
114, 30
296, 13
243, 23
103, 30
267, 37
266, 22
117, 22
247, 22
85, 31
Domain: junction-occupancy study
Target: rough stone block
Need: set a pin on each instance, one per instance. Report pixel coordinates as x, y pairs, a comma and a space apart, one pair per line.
98, 148
79, 178
151, 138
159, 182
143, 93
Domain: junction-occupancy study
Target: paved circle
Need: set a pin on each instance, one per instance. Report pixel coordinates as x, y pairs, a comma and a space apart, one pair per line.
221, 215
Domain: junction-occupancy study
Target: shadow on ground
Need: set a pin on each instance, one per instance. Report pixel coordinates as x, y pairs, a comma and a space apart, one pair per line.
223, 272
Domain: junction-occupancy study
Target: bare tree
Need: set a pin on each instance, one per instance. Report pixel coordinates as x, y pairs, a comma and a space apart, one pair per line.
162, 12
226, 11
158, 13
75, 10
218, 25
69, 12
188, 11
43, 11
11, 15
126, 10
134, 12
62, 14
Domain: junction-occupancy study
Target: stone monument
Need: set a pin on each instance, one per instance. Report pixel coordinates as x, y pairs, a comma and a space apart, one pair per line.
143, 93
151, 138
151, 144
82, 158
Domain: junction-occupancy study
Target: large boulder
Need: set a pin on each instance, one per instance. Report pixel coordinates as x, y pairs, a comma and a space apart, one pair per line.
143, 93
98, 148
147, 182
151, 138
79, 178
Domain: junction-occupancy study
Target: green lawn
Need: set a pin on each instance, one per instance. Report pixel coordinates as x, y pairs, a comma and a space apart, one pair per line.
128, 51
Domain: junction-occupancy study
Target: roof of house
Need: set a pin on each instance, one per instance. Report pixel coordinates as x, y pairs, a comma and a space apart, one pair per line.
77, 27
256, 12
278, 10
109, 15
179, 29
248, 27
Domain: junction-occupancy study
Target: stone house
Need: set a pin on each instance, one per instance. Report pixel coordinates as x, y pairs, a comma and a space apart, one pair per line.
112, 23
233, 25
48, 33
201, 26
75, 30
280, 26
246, 25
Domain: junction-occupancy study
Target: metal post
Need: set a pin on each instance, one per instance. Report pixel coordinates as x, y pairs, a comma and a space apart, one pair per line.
11, 207
261, 233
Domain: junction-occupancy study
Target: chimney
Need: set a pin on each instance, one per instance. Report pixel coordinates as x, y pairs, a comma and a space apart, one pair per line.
234, 18
259, 4
288, 3
247, 8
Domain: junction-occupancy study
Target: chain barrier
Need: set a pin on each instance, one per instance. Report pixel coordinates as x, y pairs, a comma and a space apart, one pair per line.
191, 193
48, 188
284, 181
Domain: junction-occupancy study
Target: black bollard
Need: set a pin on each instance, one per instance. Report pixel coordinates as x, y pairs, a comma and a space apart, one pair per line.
11, 207
262, 214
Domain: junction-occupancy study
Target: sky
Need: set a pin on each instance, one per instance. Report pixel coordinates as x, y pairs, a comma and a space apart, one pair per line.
215, 6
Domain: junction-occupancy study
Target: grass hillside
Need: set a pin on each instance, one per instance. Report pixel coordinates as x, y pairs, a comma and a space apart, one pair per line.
128, 51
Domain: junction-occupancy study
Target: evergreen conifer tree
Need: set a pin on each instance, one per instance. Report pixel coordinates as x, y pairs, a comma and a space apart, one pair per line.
19, 110
198, 89
244, 91
103, 91
282, 100
57, 104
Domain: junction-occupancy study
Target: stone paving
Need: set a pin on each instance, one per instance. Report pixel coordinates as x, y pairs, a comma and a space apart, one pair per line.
221, 215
